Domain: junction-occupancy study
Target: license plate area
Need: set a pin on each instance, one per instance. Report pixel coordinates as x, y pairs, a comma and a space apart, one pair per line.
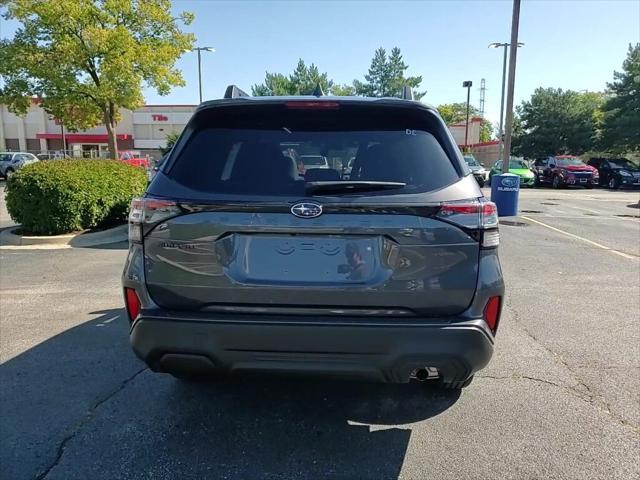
305, 260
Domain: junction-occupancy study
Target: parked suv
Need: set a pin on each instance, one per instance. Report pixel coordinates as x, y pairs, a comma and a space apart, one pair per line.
616, 172
237, 263
11, 162
563, 170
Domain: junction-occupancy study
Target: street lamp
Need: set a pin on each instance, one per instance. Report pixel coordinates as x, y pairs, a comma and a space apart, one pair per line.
200, 49
504, 76
467, 84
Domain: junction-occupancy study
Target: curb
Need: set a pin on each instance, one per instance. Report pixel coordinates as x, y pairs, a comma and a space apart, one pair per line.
78, 240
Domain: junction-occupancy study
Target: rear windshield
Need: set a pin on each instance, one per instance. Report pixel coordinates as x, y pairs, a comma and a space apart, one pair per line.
282, 161
567, 161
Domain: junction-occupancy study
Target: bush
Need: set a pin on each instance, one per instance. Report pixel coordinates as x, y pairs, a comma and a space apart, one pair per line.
62, 196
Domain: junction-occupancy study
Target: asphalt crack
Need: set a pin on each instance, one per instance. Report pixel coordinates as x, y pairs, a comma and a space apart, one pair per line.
83, 422
587, 394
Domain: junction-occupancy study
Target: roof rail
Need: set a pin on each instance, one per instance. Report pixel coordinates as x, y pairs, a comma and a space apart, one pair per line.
233, 91
407, 93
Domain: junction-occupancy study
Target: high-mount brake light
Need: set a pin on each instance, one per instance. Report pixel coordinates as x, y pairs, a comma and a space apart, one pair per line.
311, 105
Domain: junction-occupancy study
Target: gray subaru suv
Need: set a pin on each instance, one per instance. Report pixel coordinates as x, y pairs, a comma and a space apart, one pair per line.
240, 262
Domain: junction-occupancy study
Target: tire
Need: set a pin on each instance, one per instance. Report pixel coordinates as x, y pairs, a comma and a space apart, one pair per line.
489, 181
480, 182
536, 182
589, 187
613, 183
456, 385
556, 182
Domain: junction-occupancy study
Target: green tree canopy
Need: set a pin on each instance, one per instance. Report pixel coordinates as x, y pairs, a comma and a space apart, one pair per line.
386, 76
621, 111
457, 112
86, 59
556, 121
303, 81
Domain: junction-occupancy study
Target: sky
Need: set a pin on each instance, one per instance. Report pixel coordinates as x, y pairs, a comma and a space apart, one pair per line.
575, 44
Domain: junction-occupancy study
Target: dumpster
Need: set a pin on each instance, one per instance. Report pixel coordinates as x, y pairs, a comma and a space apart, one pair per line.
505, 189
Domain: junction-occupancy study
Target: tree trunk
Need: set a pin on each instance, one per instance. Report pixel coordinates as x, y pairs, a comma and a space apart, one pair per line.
110, 123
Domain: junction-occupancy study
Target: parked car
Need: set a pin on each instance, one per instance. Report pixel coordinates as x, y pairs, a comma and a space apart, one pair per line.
616, 172
518, 166
237, 264
477, 169
563, 170
52, 156
135, 158
11, 162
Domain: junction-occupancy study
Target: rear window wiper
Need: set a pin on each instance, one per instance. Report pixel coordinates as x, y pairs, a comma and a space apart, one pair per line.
350, 186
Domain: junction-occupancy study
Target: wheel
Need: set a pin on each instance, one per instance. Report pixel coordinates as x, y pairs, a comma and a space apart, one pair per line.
456, 385
613, 183
536, 181
556, 182
480, 182
9, 173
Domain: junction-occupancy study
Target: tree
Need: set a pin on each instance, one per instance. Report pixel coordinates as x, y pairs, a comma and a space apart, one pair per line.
556, 121
86, 59
386, 76
303, 81
171, 140
621, 111
343, 90
457, 112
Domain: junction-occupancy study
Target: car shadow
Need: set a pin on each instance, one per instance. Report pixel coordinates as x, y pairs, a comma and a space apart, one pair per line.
81, 401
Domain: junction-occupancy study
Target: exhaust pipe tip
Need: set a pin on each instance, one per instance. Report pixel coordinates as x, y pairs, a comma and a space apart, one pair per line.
425, 373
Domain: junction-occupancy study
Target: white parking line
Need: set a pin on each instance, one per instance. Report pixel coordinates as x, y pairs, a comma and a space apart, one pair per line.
585, 209
577, 237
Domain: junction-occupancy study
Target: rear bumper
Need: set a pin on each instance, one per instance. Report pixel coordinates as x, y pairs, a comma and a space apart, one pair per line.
387, 352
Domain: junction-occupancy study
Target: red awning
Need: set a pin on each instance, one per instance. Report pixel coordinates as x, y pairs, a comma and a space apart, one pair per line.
82, 137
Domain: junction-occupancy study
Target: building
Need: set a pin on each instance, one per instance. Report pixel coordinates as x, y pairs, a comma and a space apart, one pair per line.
144, 129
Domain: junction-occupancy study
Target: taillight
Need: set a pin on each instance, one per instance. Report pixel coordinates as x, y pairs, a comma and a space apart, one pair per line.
492, 313
479, 215
148, 210
310, 105
133, 303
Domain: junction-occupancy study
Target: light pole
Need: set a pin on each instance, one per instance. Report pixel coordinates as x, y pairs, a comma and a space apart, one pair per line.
513, 52
467, 84
504, 78
200, 49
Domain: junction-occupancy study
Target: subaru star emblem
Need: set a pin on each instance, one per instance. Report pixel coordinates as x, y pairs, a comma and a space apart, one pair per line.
307, 210
509, 181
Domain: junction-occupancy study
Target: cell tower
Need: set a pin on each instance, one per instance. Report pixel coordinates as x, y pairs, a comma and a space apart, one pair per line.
482, 92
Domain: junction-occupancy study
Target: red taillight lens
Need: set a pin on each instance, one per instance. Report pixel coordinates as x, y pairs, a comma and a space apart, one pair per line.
313, 105
492, 313
473, 214
148, 210
133, 303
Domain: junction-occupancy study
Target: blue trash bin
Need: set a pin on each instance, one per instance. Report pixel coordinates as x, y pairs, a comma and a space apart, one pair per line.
505, 189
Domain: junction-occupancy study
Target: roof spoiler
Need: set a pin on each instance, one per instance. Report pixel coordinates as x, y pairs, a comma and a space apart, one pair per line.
407, 93
233, 91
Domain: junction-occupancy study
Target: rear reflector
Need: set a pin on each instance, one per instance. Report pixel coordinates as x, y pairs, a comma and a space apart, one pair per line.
133, 303
313, 105
492, 313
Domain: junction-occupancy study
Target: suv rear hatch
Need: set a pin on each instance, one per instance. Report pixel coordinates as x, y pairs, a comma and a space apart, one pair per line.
231, 224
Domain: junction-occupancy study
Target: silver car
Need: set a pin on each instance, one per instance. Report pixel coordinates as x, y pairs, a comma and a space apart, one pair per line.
11, 162
238, 263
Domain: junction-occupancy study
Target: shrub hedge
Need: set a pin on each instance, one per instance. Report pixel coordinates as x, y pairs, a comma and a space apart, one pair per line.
61, 196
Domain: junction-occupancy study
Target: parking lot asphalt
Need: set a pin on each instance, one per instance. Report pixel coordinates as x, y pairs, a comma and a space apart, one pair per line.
559, 400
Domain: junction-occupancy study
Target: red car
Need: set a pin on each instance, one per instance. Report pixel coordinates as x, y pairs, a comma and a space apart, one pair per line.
563, 170
134, 158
